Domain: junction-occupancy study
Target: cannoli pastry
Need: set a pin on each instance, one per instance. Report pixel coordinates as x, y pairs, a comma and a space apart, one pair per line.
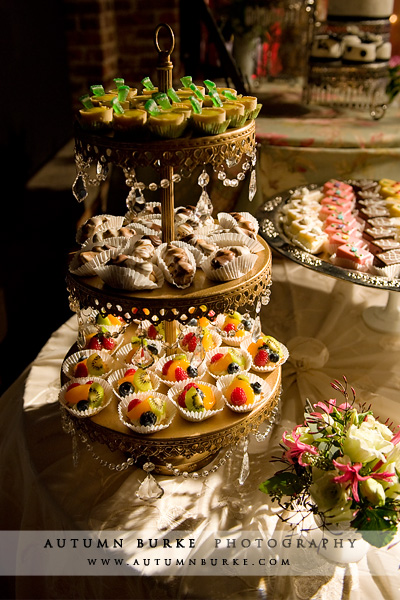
227, 255
144, 268
154, 239
143, 249
204, 246
243, 222
125, 232
89, 228
88, 255
178, 264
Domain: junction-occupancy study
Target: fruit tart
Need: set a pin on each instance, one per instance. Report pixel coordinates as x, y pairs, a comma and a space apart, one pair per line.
196, 400
244, 391
133, 380
85, 397
88, 363
227, 361
266, 353
146, 412
177, 367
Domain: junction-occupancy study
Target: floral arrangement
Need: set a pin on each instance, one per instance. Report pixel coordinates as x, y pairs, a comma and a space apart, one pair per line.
342, 464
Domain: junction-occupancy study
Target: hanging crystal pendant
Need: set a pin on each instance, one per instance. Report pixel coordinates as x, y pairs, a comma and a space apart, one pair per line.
204, 205
256, 330
79, 188
252, 185
149, 490
245, 468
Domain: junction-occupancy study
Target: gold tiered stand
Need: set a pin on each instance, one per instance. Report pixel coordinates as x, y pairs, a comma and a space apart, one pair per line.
185, 445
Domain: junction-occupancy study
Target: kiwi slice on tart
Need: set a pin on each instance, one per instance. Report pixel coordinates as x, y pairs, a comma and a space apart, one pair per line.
142, 380
95, 395
95, 365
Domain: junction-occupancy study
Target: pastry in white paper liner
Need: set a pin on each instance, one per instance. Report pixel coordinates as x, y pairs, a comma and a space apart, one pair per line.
391, 272
99, 258
97, 223
241, 219
87, 383
224, 382
113, 329
69, 364
235, 337
200, 415
185, 269
186, 343
142, 229
121, 374
140, 249
244, 368
127, 352
350, 264
129, 279
137, 428
237, 239
158, 368
270, 366
237, 267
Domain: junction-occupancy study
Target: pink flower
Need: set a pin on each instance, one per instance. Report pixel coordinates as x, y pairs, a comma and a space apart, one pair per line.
297, 449
396, 438
351, 473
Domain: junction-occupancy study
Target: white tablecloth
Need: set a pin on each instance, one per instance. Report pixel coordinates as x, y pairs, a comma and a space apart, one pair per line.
320, 320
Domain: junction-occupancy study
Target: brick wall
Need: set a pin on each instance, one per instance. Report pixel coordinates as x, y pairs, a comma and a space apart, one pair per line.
115, 38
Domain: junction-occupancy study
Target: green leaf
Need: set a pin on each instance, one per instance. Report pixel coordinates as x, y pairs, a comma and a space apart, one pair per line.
378, 526
285, 483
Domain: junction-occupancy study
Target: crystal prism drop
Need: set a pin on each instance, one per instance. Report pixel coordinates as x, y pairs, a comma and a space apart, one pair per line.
149, 490
203, 179
245, 468
102, 170
204, 205
79, 189
256, 331
252, 185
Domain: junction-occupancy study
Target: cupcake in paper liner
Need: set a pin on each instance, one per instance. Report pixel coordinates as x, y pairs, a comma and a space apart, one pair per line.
89, 363
96, 223
134, 276
211, 120
178, 367
93, 255
243, 392
229, 263
266, 353
190, 340
140, 351
197, 400
85, 396
128, 381
233, 327
251, 106
235, 112
226, 360
167, 125
237, 239
147, 412
245, 220
177, 262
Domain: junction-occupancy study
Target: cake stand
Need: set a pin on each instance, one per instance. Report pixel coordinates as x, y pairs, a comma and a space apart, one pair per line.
184, 446
382, 319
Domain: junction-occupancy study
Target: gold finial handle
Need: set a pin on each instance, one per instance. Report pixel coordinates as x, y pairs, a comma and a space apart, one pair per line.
164, 65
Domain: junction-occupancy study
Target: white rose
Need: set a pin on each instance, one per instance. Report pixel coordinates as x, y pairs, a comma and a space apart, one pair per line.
363, 444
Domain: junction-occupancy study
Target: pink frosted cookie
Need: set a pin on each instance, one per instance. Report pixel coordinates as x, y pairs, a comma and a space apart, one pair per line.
337, 201
330, 210
336, 185
340, 238
352, 257
334, 228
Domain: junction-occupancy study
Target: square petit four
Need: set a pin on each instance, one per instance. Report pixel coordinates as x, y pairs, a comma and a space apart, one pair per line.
352, 257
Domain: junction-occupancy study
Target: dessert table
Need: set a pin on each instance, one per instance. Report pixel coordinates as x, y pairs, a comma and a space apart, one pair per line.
320, 320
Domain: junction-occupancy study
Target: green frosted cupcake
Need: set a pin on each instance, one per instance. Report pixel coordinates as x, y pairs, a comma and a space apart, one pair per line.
210, 121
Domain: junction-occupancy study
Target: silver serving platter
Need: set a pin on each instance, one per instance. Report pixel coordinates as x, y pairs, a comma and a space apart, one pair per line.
269, 217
